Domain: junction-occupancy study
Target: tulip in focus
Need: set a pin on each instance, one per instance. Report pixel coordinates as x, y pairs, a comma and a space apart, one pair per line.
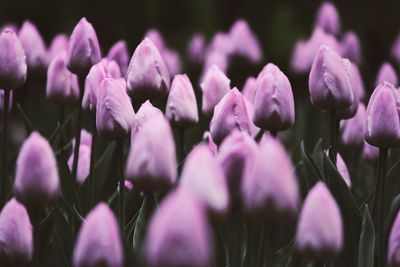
328, 18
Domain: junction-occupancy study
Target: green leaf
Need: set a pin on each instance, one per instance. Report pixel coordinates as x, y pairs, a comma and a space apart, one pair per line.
140, 226
64, 231
28, 124
313, 175
68, 186
367, 241
318, 156
351, 215
394, 209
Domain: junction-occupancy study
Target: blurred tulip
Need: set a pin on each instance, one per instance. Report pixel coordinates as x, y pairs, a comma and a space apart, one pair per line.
34, 46
328, 18
396, 49
83, 163
320, 229
353, 133
273, 101
370, 153
181, 108
351, 47
2, 100
151, 162
9, 25
269, 189
221, 43
99, 240
156, 37
386, 73
146, 112
58, 44
173, 61
358, 83
86, 139
203, 175
229, 114
210, 142
245, 42
178, 233
119, 53
16, 239
382, 123
249, 89
115, 114
215, 58
36, 178
236, 154
342, 169
214, 86
196, 48
62, 86
330, 84
13, 68
148, 76
83, 48
93, 81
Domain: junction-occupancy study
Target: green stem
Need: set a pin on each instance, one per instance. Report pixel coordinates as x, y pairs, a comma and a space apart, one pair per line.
4, 142
90, 199
181, 133
78, 128
62, 137
259, 135
121, 184
334, 137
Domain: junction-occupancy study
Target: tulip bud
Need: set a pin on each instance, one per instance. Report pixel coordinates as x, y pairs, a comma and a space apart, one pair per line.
221, 43
351, 110
83, 163
245, 42
273, 101
342, 169
115, 113
148, 76
204, 176
93, 81
330, 84
146, 112
34, 47
370, 153
83, 48
250, 111
328, 18
382, 123
214, 86
269, 189
320, 229
249, 89
16, 241
179, 233
181, 108
151, 162
156, 37
229, 114
36, 178
215, 58
353, 133
393, 254
58, 44
173, 61
351, 48
196, 48
236, 154
13, 68
210, 142
86, 139
120, 54
2, 100
99, 240
358, 84
62, 86
386, 73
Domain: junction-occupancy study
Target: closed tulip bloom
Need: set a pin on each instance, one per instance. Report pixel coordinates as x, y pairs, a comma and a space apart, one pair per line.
155, 36
215, 58
358, 84
249, 89
214, 86
382, 122
34, 46
58, 44
270, 190
245, 42
221, 43
83, 163
181, 107
146, 112
250, 112
36, 179
229, 114
329, 82
351, 47
353, 132
120, 54
93, 82
305, 51
13, 68
328, 18
151, 162
236, 154
320, 229
386, 73
196, 48
62, 86
83, 48
86, 139
351, 110
16, 240
203, 175
393, 254
114, 115
99, 240
179, 233
273, 101
342, 169
148, 76
2, 100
